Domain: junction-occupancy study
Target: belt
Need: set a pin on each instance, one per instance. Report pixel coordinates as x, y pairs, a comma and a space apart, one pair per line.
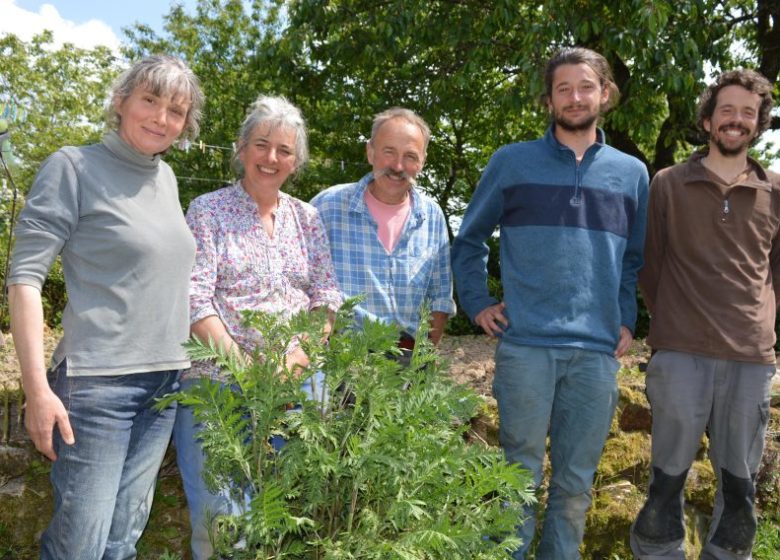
406, 342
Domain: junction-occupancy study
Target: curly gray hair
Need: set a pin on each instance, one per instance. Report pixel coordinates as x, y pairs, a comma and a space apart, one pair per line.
275, 111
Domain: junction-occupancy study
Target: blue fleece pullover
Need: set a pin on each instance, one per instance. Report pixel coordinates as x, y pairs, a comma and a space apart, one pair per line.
571, 241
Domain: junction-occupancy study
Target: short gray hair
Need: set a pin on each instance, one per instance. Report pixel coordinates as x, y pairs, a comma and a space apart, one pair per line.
401, 113
276, 111
162, 75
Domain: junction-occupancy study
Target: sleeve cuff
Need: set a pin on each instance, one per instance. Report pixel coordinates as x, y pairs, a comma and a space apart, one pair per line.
444, 305
332, 300
201, 313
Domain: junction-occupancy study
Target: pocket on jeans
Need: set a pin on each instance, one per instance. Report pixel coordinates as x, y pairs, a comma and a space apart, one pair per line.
498, 347
54, 372
614, 363
759, 435
654, 364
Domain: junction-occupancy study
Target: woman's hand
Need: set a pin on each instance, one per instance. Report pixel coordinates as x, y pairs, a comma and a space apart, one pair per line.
43, 409
297, 361
42, 413
211, 330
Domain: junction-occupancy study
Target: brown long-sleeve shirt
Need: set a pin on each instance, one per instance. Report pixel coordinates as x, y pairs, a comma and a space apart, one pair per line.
712, 262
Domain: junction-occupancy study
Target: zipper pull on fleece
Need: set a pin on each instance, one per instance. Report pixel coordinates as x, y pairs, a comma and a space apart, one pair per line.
725, 209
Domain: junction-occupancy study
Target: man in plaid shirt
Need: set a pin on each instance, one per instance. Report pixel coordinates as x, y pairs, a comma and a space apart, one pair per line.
389, 241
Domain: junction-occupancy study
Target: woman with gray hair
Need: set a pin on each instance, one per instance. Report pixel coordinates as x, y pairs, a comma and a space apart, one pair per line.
258, 249
111, 211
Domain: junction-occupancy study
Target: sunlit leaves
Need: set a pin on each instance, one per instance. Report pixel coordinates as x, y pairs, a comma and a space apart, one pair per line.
62, 93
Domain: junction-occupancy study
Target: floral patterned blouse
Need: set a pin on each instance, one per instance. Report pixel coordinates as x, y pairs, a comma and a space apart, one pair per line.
238, 266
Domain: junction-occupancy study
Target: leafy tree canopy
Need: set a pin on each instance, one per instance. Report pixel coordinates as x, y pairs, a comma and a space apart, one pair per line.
471, 69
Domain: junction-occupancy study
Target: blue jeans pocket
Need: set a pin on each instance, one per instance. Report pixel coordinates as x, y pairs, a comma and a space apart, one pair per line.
54, 372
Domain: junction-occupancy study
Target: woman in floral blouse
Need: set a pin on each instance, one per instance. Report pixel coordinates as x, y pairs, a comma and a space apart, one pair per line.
257, 249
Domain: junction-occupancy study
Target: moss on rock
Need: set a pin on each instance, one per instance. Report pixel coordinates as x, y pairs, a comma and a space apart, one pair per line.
633, 413
700, 486
24, 514
768, 482
609, 520
626, 455
484, 426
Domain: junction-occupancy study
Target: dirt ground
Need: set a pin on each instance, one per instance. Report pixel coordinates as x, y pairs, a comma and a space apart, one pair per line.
9, 365
470, 358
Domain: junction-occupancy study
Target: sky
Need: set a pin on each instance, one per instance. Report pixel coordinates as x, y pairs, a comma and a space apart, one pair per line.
85, 23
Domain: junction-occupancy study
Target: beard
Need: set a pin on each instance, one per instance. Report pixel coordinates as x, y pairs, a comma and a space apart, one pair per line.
568, 125
730, 151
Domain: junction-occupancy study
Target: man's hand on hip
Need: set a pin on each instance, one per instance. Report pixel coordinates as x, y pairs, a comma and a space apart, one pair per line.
492, 319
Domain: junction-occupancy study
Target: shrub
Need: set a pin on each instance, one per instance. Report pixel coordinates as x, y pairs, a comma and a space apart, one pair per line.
380, 470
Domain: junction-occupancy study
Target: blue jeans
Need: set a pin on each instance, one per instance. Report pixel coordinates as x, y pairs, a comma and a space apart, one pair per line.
104, 483
206, 506
571, 393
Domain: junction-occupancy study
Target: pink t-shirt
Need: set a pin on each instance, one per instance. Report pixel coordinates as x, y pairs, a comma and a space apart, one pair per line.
390, 218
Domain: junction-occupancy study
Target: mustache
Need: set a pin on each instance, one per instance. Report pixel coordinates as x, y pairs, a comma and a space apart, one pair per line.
739, 127
394, 174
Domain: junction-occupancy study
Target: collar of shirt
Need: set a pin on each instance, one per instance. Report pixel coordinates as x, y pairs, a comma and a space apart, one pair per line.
121, 149
756, 177
357, 203
591, 152
246, 205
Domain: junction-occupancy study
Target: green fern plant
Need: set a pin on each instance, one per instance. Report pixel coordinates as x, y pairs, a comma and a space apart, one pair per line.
378, 469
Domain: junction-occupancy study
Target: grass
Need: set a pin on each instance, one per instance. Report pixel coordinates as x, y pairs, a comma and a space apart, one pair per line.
767, 546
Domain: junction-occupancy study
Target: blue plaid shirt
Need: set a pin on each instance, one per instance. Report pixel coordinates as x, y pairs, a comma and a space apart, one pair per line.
395, 284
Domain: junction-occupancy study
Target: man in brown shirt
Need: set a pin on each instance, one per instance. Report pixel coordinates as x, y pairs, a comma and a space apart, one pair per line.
711, 282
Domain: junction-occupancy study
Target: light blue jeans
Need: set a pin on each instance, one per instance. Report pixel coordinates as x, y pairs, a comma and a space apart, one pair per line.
570, 394
104, 483
205, 506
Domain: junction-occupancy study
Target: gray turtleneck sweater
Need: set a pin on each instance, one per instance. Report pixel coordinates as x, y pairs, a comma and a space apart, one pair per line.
127, 254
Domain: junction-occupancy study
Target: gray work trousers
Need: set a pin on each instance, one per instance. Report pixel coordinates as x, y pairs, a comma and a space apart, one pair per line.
688, 394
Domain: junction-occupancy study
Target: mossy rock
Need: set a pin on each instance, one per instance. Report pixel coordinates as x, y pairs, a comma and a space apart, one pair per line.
633, 410
484, 426
15, 460
626, 455
768, 482
773, 429
700, 486
11, 415
609, 521
24, 516
696, 526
